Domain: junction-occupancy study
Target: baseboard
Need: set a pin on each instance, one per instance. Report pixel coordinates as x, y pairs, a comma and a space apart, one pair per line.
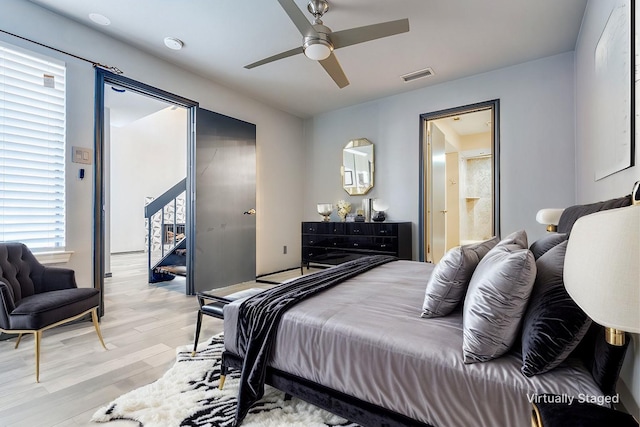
128, 252
276, 272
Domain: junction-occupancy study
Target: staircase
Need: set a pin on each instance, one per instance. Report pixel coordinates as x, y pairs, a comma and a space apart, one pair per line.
166, 240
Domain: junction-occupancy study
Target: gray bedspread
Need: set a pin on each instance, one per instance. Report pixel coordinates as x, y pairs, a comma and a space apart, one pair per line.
365, 337
259, 317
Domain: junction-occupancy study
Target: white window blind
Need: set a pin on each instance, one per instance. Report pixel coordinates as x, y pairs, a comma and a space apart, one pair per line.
32, 149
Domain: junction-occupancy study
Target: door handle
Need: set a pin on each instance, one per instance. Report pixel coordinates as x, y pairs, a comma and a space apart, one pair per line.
444, 211
250, 212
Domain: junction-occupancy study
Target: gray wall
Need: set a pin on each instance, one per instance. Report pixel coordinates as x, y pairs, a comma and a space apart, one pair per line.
536, 142
616, 185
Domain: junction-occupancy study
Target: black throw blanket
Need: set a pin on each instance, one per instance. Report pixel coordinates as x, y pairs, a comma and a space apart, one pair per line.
259, 316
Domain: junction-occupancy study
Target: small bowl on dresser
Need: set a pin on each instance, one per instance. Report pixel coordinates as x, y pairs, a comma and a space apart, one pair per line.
325, 210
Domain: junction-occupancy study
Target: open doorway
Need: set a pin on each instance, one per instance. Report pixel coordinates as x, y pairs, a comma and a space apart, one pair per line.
146, 145
459, 185
105, 80
223, 171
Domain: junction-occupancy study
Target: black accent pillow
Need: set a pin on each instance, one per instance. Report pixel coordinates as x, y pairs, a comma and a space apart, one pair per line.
553, 324
546, 242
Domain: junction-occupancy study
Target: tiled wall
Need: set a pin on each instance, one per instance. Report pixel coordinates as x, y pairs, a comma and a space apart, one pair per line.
477, 221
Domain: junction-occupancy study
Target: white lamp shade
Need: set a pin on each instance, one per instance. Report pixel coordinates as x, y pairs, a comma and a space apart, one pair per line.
602, 267
379, 205
549, 216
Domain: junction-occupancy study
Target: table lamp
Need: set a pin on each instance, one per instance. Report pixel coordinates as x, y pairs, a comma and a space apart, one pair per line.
550, 218
602, 270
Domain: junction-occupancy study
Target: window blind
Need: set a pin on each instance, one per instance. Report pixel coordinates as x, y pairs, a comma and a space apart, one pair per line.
32, 149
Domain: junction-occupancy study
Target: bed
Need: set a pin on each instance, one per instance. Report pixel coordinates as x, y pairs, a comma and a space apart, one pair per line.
361, 350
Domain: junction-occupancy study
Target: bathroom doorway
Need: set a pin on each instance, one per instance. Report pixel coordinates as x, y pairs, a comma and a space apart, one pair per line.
459, 178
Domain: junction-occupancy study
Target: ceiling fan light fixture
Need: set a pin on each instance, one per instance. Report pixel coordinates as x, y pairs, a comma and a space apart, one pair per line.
317, 49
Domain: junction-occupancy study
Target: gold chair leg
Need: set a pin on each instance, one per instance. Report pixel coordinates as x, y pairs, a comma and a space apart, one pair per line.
38, 337
221, 383
94, 318
18, 340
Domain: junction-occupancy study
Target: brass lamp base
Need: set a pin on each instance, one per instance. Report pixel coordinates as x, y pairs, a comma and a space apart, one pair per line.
552, 228
614, 336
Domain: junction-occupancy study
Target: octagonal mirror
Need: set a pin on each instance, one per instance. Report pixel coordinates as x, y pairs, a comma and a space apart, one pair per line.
357, 167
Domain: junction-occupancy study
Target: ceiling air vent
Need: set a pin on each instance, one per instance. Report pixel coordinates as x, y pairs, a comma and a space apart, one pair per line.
418, 75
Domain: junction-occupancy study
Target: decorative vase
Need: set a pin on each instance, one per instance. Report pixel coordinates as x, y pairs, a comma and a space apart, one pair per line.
379, 216
325, 210
366, 209
379, 207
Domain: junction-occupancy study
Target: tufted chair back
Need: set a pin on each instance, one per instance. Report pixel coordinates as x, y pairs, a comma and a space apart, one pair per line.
20, 270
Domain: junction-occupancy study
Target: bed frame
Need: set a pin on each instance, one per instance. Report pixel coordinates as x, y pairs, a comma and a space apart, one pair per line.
341, 404
603, 360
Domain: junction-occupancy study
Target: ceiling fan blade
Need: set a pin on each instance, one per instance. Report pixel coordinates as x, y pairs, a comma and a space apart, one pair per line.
298, 18
368, 32
281, 55
333, 68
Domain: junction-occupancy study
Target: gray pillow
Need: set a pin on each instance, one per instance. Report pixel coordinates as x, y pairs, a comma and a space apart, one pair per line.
516, 238
546, 242
495, 302
450, 278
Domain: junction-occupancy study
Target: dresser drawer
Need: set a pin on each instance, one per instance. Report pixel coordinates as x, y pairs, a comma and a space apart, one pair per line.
324, 240
371, 229
325, 255
323, 228
378, 244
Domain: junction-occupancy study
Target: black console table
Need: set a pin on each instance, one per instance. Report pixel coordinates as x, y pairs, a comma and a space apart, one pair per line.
337, 242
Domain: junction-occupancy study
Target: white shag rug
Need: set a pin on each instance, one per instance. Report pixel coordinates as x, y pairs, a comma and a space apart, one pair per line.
188, 395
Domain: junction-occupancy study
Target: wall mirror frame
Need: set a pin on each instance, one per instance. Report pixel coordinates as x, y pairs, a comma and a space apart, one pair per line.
460, 185
358, 166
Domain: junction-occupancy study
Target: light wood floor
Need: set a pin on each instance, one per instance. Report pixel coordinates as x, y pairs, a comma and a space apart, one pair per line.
142, 326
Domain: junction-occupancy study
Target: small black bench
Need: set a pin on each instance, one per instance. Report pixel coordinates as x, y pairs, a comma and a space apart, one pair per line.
213, 305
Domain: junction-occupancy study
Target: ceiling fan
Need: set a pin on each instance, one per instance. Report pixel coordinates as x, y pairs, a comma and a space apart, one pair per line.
319, 41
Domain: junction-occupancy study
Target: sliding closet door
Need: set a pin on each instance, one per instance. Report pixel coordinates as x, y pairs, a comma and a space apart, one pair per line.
225, 200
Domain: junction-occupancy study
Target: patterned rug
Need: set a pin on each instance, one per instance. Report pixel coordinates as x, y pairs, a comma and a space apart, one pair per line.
188, 395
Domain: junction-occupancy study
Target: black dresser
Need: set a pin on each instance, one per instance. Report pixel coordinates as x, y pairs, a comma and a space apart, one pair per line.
337, 242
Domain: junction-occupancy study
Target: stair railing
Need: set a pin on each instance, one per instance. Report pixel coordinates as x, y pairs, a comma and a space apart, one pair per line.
162, 204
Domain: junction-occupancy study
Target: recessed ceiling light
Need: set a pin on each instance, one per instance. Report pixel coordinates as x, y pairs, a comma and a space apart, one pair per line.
173, 43
99, 19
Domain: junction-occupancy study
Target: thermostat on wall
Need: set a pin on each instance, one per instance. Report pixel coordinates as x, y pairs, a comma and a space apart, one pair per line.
81, 155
